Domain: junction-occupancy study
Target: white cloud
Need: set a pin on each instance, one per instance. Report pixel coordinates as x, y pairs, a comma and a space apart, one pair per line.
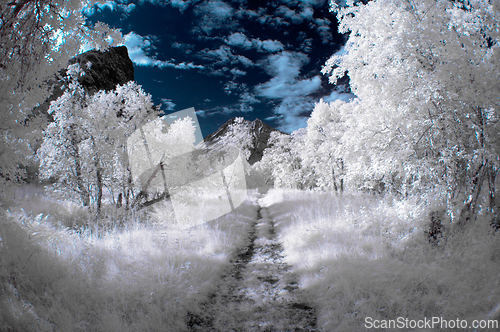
313, 2
239, 39
219, 8
323, 27
277, 88
245, 61
273, 21
169, 105
293, 113
292, 15
237, 72
335, 95
138, 46
127, 8
200, 113
214, 14
111, 5
248, 98
228, 110
246, 108
285, 64
221, 55
286, 84
269, 45
181, 4
243, 108
186, 48
285, 67
251, 14
89, 11
307, 13
230, 87
218, 110
224, 56
181, 65
296, 17
271, 118
306, 45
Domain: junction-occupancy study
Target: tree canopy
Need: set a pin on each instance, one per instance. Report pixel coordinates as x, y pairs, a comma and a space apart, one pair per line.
85, 148
37, 38
425, 114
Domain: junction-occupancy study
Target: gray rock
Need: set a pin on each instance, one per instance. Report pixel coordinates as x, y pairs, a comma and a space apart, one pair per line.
107, 69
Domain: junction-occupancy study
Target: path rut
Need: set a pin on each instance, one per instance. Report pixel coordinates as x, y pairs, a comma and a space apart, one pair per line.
259, 293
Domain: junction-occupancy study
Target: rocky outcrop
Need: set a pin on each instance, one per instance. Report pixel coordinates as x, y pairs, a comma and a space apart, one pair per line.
252, 136
104, 70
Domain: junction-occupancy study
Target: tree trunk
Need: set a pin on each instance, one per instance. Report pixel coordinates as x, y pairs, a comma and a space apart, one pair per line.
341, 175
82, 190
99, 190
128, 190
119, 200
470, 205
334, 180
492, 199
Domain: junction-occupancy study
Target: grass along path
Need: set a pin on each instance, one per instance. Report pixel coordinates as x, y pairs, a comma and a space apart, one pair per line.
144, 276
361, 258
259, 293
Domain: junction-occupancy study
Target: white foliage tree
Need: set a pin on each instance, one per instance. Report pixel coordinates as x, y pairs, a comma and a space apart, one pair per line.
84, 149
176, 151
181, 136
322, 149
426, 76
37, 38
283, 161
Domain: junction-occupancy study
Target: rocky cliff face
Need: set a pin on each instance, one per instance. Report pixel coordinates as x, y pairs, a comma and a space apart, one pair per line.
107, 69
103, 71
250, 136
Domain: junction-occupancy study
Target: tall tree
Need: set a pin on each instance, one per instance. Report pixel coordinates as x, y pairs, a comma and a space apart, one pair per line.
37, 38
426, 76
283, 161
84, 149
322, 150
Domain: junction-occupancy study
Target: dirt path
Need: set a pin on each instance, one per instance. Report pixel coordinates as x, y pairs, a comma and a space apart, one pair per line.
259, 293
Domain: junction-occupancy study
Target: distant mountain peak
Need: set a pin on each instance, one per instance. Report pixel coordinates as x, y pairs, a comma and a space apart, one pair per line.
250, 136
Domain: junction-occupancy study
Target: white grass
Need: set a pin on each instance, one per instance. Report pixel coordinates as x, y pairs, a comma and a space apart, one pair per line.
360, 256
356, 256
145, 276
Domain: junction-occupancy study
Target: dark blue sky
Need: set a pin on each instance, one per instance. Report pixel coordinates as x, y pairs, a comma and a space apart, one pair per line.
256, 59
